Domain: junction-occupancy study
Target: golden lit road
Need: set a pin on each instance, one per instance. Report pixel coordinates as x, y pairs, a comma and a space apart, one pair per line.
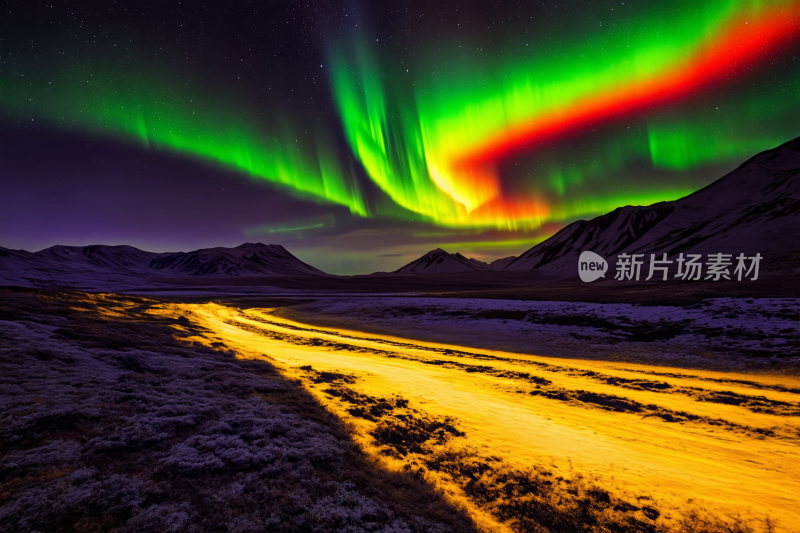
729, 443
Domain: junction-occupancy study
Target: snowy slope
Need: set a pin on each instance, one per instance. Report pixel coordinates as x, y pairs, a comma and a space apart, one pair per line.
245, 260
440, 262
76, 264
755, 208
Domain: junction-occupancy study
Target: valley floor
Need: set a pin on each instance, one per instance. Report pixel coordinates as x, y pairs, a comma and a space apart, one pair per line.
122, 413
112, 419
514, 438
718, 333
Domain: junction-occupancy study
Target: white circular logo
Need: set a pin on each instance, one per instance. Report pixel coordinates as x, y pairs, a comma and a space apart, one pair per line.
591, 266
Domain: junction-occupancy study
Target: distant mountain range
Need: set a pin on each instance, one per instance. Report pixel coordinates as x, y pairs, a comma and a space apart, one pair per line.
440, 262
755, 208
76, 263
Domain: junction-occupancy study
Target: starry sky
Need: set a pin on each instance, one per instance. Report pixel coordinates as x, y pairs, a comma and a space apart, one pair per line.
360, 135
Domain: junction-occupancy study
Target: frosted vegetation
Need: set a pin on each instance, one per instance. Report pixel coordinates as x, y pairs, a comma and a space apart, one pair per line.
725, 332
115, 419
111, 422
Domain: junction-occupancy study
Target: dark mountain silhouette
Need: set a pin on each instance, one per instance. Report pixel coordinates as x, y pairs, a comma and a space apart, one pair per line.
500, 264
755, 208
440, 262
74, 263
245, 260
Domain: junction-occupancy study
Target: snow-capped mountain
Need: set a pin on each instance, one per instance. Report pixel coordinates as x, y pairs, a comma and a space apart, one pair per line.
77, 263
755, 208
245, 260
440, 262
97, 256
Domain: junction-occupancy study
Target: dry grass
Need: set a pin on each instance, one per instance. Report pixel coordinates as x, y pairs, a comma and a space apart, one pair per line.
538, 499
117, 419
112, 419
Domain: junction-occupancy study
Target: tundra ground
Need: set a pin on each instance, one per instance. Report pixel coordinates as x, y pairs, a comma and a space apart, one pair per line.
136, 414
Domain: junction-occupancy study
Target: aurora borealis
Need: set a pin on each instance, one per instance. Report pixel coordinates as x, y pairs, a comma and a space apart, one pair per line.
391, 129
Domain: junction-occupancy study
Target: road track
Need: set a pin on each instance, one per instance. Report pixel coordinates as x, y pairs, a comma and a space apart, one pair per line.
732, 445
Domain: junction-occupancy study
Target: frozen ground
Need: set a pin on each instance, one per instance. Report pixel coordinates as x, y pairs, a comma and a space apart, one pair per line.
121, 413
722, 332
669, 439
111, 420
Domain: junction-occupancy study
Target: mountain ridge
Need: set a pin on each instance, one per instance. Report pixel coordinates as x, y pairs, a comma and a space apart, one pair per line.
751, 209
754, 208
74, 262
439, 261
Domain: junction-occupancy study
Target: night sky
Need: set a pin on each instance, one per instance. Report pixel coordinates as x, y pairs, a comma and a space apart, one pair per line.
360, 135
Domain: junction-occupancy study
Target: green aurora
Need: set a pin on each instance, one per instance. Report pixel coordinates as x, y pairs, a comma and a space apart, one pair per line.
422, 133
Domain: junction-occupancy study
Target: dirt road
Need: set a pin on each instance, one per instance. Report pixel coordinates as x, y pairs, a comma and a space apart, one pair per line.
664, 440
